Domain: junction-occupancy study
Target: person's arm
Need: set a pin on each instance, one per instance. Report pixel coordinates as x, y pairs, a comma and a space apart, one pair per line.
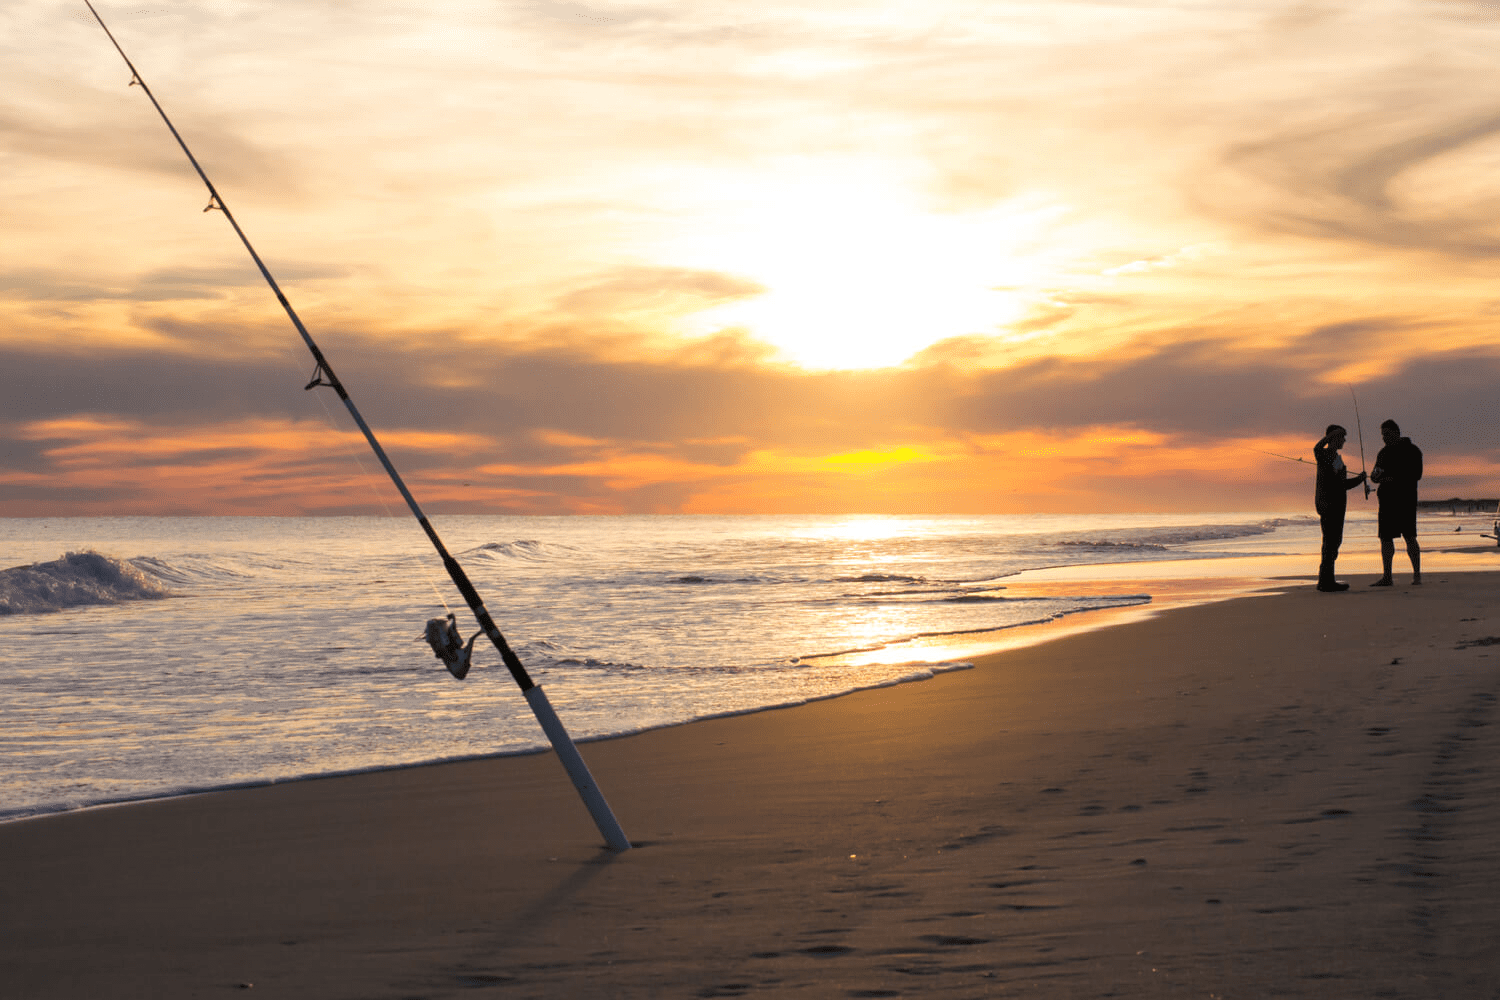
1349, 484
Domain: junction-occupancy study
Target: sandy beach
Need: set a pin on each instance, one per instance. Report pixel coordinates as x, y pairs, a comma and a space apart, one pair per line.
1292, 794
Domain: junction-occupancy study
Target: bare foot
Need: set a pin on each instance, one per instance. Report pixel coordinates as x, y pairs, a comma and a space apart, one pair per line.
1384, 581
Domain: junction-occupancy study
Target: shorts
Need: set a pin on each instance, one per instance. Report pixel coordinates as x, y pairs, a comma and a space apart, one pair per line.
1398, 519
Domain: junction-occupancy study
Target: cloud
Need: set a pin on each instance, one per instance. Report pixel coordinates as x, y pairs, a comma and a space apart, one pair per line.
553, 429
1355, 183
503, 221
1185, 383
92, 133
174, 284
656, 291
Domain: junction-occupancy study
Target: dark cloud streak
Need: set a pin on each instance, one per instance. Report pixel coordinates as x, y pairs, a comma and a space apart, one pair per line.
1334, 180
1203, 387
143, 144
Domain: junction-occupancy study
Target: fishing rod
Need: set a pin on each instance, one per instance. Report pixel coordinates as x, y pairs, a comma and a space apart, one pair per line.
443, 636
1359, 425
1273, 454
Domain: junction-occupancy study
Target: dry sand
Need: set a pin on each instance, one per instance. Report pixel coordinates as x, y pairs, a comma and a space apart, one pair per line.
1286, 795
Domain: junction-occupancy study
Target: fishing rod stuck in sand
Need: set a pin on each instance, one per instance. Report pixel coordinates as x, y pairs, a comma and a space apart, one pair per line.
443, 636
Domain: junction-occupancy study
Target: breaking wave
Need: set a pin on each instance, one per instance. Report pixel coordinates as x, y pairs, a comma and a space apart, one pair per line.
1213, 532
524, 549
1161, 539
1147, 546
78, 578
880, 578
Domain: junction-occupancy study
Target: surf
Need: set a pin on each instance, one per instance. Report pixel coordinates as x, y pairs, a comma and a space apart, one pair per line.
77, 579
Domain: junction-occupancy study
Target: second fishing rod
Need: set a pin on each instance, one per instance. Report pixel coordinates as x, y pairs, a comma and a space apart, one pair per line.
1359, 427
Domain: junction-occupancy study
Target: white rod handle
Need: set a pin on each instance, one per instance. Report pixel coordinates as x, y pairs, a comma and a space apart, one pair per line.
572, 761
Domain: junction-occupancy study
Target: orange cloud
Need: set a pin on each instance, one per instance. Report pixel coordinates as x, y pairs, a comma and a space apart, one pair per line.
261, 466
281, 466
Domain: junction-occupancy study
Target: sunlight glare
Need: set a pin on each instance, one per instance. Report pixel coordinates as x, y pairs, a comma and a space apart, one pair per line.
858, 275
864, 529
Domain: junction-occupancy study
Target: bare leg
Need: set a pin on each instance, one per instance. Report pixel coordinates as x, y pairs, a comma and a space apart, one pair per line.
1387, 553
1415, 552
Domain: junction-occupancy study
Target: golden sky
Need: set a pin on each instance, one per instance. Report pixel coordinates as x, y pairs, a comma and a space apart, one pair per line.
925, 257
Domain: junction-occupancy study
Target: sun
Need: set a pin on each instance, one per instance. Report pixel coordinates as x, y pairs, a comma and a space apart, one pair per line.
859, 273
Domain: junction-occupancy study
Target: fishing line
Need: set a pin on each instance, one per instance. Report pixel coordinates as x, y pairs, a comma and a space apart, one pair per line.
1273, 454
371, 482
445, 640
366, 476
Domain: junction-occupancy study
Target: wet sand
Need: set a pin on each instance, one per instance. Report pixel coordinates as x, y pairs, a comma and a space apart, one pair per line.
1286, 795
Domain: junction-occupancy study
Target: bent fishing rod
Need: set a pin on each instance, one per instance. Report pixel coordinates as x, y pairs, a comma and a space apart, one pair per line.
443, 637
1360, 426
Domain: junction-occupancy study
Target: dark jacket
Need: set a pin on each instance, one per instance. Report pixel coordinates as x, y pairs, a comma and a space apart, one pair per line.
1400, 467
1328, 492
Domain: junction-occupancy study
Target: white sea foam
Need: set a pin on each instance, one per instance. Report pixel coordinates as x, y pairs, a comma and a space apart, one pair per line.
78, 578
1164, 538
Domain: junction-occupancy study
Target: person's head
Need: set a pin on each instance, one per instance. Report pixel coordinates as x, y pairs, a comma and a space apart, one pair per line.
1390, 432
1336, 435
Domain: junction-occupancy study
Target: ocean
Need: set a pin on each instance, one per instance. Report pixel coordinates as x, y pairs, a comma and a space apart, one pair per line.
142, 657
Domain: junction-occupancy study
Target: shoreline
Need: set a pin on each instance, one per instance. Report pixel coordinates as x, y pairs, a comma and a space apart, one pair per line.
934, 670
1295, 794
948, 652
1168, 584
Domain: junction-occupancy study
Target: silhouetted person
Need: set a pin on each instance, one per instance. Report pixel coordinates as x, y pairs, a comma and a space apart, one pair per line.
1398, 467
1331, 499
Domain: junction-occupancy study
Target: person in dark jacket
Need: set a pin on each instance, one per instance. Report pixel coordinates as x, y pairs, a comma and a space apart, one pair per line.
1398, 467
1330, 498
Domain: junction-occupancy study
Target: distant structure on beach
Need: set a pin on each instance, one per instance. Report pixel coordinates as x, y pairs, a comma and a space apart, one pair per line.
1457, 506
